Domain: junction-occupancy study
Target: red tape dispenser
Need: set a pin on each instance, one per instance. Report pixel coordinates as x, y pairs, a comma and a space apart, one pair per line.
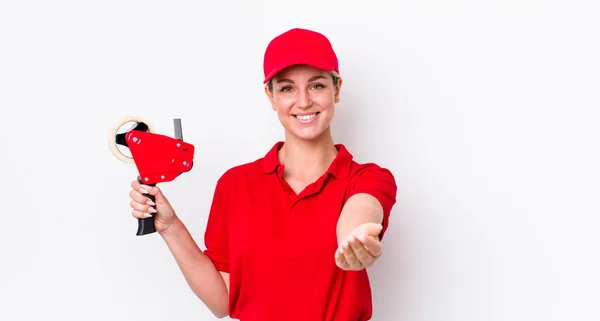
158, 158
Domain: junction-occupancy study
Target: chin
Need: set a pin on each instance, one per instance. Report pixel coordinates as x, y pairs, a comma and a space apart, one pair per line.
308, 136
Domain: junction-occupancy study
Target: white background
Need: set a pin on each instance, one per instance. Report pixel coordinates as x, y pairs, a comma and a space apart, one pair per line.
486, 111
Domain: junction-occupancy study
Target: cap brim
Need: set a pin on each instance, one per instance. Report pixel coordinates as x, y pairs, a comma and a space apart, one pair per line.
290, 63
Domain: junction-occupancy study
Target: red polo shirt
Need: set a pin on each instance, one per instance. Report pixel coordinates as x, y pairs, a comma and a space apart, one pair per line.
279, 247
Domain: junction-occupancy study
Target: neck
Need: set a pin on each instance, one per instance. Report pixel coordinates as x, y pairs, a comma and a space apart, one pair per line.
307, 160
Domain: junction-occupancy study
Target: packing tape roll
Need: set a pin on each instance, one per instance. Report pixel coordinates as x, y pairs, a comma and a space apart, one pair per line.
112, 144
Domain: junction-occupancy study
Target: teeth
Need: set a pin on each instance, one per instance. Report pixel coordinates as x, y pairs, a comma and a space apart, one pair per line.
305, 117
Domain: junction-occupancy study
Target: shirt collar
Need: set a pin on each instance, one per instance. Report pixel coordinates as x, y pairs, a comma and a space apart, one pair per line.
339, 168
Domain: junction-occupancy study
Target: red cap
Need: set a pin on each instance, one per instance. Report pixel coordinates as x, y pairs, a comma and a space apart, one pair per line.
299, 46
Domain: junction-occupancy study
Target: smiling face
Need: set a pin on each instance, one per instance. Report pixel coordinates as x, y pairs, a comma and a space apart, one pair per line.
304, 98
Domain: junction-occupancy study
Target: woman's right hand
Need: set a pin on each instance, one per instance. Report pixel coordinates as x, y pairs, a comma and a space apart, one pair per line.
164, 215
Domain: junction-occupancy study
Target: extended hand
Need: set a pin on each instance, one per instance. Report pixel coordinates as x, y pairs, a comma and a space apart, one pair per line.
360, 249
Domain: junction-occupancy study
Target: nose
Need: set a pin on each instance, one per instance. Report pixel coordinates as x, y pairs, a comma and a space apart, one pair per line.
304, 99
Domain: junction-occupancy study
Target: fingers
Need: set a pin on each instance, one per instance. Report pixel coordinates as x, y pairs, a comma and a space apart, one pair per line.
371, 245
373, 229
145, 189
135, 184
138, 197
357, 253
348, 256
141, 210
344, 257
142, 205
140, 214
363, 257
340, 261
151, 190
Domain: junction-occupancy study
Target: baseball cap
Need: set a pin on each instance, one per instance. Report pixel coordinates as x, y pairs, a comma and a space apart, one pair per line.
299, 46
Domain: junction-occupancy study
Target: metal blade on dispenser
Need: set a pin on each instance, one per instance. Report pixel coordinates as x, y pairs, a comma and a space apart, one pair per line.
178, 131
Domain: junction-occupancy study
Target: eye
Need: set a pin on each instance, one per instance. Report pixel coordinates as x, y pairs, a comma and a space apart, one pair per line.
285, 89
318, 86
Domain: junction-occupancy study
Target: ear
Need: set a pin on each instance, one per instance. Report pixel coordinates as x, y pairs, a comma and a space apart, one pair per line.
338, 88
270, 97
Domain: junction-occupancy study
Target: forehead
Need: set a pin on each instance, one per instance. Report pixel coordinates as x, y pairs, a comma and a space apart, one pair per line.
300, 72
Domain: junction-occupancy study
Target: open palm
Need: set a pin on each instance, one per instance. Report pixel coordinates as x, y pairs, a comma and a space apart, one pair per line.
360, 249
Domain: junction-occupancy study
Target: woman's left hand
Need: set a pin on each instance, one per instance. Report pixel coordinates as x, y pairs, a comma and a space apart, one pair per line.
360, 249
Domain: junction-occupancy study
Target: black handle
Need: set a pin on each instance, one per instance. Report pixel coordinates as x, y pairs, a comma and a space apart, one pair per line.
146, 225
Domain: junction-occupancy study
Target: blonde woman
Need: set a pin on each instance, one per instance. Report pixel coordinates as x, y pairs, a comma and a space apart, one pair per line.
289, 235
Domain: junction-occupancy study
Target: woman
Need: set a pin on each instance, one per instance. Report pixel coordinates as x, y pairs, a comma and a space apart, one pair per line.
290, 235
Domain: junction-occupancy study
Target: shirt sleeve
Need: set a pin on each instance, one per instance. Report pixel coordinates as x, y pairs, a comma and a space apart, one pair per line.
378, 182
216, 236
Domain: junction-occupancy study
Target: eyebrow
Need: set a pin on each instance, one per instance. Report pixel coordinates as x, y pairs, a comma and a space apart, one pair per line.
311, 79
